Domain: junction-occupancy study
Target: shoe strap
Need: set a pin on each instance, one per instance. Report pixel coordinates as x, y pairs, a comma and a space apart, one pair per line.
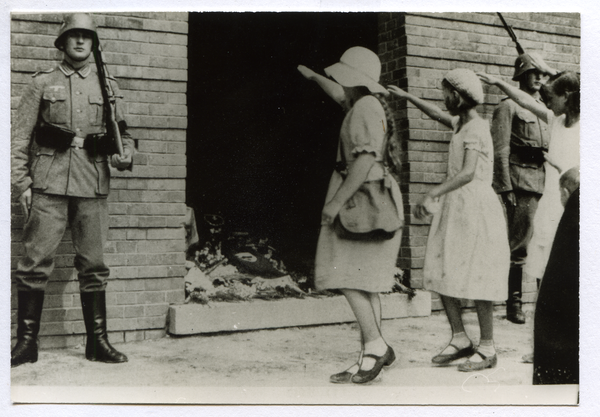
481, 354
371, 355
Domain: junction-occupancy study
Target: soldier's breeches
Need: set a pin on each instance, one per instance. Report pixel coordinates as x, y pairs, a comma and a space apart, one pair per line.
520, 225
48, 220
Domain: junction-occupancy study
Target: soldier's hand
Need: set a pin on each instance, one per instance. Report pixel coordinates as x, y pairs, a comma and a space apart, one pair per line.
25, 201
121, 163
509, 198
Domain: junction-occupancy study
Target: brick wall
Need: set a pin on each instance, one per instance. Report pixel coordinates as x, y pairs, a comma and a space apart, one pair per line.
147, 53
417, 49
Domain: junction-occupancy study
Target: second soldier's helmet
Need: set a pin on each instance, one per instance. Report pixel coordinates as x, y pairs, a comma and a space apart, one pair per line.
523, 64
80, 21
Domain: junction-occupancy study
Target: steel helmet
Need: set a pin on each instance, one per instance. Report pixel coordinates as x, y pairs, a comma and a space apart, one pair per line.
81, 21
523, 64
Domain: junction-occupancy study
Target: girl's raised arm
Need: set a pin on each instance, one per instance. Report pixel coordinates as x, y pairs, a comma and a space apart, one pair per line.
520, 97
426, 107
331, 88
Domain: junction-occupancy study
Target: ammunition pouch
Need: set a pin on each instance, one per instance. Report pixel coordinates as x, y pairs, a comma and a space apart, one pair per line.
528, 154
51, 136
100, 144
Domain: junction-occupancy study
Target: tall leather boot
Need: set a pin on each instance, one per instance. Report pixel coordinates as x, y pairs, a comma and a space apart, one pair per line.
29, 313
514, 312
97, 347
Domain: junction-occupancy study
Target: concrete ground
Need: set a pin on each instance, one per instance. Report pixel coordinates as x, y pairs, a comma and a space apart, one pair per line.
288, 366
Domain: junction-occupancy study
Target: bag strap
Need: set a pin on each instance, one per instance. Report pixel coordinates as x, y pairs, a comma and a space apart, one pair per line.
342, 165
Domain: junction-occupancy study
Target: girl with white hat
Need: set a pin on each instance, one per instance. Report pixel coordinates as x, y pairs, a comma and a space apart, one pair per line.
359, 269
467, 254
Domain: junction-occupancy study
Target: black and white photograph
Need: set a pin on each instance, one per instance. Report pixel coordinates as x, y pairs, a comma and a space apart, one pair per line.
297, 207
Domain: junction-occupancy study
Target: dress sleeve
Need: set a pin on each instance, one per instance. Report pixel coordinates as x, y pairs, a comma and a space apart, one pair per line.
473, 137
367, 127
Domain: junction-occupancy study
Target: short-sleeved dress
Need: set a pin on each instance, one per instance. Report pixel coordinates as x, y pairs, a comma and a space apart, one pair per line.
564, 148
360, 265
467, 254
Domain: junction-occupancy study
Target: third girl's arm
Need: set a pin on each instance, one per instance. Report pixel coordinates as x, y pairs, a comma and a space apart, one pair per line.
426, 107
465, 176
520, 97
357, 174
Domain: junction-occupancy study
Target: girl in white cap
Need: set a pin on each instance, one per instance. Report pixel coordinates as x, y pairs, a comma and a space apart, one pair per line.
359, 269
467, 254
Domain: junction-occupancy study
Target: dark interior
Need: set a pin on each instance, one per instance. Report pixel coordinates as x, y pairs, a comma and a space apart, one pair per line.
261, 139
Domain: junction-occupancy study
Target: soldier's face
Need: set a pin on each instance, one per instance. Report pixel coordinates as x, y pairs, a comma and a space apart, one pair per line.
78, 45
535, 80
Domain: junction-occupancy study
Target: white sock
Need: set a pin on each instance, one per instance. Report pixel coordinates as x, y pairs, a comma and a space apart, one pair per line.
376, 347
486, 347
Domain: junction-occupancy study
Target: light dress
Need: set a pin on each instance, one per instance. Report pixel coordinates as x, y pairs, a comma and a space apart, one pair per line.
564, 149
360, 265
467, 253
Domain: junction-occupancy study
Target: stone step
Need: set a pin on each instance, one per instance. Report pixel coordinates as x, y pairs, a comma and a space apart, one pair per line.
189, 319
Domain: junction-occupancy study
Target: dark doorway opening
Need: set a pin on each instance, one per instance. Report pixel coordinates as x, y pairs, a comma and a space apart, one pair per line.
261, 139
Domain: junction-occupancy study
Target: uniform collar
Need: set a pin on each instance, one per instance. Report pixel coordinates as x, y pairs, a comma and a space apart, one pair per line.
68, 70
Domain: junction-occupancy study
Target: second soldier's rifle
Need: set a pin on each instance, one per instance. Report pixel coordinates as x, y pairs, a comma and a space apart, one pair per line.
512, 35
110, 102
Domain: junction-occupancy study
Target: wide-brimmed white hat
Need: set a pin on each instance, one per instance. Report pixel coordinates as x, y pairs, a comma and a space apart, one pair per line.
358, 67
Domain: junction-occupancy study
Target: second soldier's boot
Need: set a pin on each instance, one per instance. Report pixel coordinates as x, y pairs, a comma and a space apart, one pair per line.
514, 305
29, 313
97, 347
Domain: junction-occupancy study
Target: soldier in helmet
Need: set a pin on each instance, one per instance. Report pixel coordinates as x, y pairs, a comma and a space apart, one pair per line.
520, 138
60, 176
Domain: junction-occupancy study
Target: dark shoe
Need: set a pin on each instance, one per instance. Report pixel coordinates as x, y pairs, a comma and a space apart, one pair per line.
514, 312
442, 359
469, 366
343, 377
29, 313
362, 377
97, 347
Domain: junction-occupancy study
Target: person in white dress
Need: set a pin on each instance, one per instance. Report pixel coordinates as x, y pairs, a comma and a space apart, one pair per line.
467, 254
359, 269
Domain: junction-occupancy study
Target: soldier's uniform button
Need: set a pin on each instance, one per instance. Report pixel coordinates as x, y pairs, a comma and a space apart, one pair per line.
53, 99
78, 110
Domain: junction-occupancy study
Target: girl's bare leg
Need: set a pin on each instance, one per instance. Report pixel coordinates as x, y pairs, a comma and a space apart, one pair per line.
360, 302
453, 310
485, 315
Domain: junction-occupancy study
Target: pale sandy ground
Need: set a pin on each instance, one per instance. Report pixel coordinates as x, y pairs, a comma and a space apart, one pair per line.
290, 365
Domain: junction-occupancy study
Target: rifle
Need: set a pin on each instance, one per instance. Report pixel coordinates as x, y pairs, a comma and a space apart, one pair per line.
110, 101
512, 35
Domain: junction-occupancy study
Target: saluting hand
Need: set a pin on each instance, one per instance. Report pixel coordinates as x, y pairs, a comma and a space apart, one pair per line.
121, 163
489, 79
306, 72
397, 91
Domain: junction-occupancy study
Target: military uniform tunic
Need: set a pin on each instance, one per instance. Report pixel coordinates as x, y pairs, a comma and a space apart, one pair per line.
518, 134
70, 186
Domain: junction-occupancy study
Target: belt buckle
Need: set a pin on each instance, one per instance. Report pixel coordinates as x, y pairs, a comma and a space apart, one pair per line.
77, 142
